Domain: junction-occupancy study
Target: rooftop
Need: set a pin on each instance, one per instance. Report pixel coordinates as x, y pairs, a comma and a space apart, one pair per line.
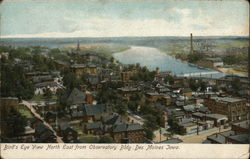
227, 99
76, 97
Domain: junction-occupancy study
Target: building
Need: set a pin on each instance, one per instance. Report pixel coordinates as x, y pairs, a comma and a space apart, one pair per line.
80, 69
127, 75
234, 108
79, 98
187, 92
210, 62
128, 132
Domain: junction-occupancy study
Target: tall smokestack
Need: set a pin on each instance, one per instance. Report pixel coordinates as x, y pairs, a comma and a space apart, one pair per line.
191, 43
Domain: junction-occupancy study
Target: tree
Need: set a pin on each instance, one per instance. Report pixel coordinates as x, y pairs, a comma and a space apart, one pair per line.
236, 83
48, 94
106, 139
174, 124
12, 122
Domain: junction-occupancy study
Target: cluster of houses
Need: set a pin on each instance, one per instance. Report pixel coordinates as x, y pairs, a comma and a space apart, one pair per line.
45, 80
194, 111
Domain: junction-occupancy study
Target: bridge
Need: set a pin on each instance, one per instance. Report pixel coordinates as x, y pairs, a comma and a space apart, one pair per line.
198, 74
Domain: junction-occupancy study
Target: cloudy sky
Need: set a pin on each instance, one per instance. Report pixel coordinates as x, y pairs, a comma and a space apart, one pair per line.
117, 18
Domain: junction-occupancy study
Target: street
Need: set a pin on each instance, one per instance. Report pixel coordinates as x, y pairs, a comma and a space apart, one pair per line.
33, 111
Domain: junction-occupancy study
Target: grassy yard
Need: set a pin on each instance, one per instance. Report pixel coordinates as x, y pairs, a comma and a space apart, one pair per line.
25, 112
89, 139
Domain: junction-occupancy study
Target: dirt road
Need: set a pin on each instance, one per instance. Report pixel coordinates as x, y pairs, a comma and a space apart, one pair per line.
33, 111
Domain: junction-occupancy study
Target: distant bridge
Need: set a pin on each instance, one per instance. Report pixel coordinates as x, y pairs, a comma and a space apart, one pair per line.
198, 74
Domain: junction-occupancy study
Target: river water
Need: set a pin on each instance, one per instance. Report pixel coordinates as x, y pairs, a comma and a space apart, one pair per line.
152, 58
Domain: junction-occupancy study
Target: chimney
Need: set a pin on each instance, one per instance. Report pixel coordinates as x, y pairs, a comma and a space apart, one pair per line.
191, 43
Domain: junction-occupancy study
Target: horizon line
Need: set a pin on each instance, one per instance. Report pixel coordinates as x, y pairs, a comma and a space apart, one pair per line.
25, 37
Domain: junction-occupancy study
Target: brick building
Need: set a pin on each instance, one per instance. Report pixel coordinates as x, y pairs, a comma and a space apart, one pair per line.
235, 108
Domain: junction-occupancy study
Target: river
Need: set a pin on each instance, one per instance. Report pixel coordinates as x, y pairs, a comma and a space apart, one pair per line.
152, 58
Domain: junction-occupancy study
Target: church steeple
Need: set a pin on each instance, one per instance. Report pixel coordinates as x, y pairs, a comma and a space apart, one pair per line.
78, 46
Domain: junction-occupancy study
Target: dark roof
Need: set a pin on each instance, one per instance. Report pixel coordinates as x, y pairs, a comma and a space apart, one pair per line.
41, 128
77, 114
33, 120
76, 97
93, 110
220, 137
173, 140
63, 125
241, 138
95, 125
123, 127
112, 119
243, 124
45, 137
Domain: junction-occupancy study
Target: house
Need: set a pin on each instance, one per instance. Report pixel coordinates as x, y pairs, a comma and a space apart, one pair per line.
187, 127
68, 134
241, 127
128, 132
41, 87
46, 138
79, 98
8, 102
127, 75
234, 108
238, 139
50, 116
154, 97
187, 92
220, 138
41, 130
219, 119
127, 91
211, 62
92, 113
80, 69
161, 76
34, 122
95, 128
94, 81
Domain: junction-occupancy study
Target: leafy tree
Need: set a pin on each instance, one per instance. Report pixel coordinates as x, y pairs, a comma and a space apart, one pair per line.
236, 83
48, 94
14, 82
173, 123
194, 57
12, 122
106, 139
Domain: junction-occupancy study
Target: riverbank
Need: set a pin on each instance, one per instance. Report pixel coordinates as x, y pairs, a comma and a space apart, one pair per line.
153, 58
230, 70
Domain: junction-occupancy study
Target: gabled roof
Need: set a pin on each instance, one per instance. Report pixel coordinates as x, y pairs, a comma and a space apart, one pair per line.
41, 128
112, 119
76, 97
123, 127
241, 138
45, 137
92, 110
95, 125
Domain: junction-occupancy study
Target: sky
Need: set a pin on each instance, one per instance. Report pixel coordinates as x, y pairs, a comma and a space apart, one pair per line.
119, 18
